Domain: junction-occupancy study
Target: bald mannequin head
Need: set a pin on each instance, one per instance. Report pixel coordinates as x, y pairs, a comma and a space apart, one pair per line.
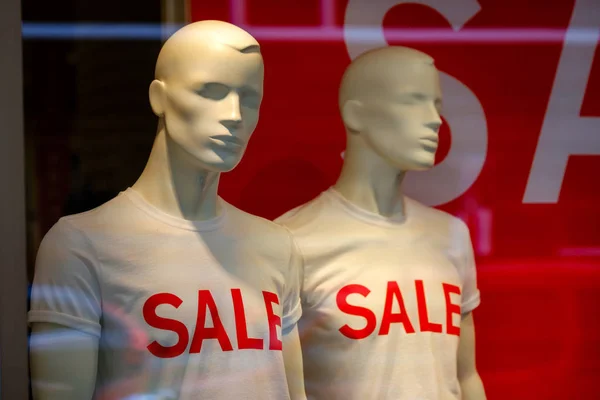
198, 38
373, 70
207, 91
390, 101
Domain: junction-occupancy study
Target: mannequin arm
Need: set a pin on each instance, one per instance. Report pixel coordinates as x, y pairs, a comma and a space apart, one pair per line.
63, 363
470, 382
292, 357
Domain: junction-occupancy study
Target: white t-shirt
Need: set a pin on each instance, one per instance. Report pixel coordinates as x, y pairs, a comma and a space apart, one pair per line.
183, 309
381, 299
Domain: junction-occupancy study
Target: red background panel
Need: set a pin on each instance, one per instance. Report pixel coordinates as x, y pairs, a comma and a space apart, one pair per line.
538, 330
283, 13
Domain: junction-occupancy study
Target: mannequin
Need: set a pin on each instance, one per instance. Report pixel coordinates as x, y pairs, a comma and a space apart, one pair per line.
389, 284
167, 291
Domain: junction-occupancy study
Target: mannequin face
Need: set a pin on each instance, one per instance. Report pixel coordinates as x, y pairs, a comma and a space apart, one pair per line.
401, 117
211, 104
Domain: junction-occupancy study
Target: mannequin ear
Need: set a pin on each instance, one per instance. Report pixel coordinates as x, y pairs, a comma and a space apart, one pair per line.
157, 97
352, 115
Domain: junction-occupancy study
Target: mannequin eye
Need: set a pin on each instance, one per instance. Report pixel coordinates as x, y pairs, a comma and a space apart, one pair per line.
418, 97
412, 98
213, 91
250, 99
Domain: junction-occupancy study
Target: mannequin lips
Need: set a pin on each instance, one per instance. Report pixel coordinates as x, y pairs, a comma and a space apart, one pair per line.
430, 142
228, 142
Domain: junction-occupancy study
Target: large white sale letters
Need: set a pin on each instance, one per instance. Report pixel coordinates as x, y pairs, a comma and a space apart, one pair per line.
564, 131
464, 113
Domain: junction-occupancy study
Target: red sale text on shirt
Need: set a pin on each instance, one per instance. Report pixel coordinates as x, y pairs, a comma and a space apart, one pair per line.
217, 331
394, 295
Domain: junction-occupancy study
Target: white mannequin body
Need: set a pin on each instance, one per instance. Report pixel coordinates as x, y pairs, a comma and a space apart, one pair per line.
390, 103
207, 94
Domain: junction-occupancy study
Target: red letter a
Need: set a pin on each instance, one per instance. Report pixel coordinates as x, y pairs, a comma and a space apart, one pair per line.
205, 300
388, 317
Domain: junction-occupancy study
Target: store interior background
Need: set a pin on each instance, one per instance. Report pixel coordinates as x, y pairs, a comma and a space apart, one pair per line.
88, 126
89, 130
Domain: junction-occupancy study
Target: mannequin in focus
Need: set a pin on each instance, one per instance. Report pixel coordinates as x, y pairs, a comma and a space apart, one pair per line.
389, 283
167, 291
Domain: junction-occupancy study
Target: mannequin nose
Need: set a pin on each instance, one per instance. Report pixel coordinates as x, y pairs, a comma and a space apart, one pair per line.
435, 119
233, 116
434, 126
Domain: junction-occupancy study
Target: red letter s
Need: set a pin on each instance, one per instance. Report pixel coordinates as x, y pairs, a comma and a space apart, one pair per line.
367, 314
149, 311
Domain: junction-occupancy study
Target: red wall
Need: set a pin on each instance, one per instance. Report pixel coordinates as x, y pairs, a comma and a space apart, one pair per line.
526, 93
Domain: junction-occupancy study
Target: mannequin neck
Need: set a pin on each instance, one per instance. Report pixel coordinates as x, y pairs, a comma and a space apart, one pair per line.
370, 182
173, 182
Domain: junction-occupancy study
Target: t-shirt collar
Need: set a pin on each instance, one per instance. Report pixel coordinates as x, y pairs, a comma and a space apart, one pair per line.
370, 217
202, 225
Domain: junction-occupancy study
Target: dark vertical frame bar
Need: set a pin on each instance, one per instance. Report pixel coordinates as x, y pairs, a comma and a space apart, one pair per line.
174, 12
13, 270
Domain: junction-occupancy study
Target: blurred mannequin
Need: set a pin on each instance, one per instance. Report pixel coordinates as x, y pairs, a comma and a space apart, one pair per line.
389, 284
167, 291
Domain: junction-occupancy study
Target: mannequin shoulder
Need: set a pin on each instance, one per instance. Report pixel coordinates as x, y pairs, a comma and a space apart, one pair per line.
64, 233
433, 218
111, 211
250, 225
258, 234
78, 229
305, 216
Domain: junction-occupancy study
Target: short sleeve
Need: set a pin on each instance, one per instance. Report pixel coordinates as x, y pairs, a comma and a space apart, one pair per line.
292, 309
65, 287
468, 271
